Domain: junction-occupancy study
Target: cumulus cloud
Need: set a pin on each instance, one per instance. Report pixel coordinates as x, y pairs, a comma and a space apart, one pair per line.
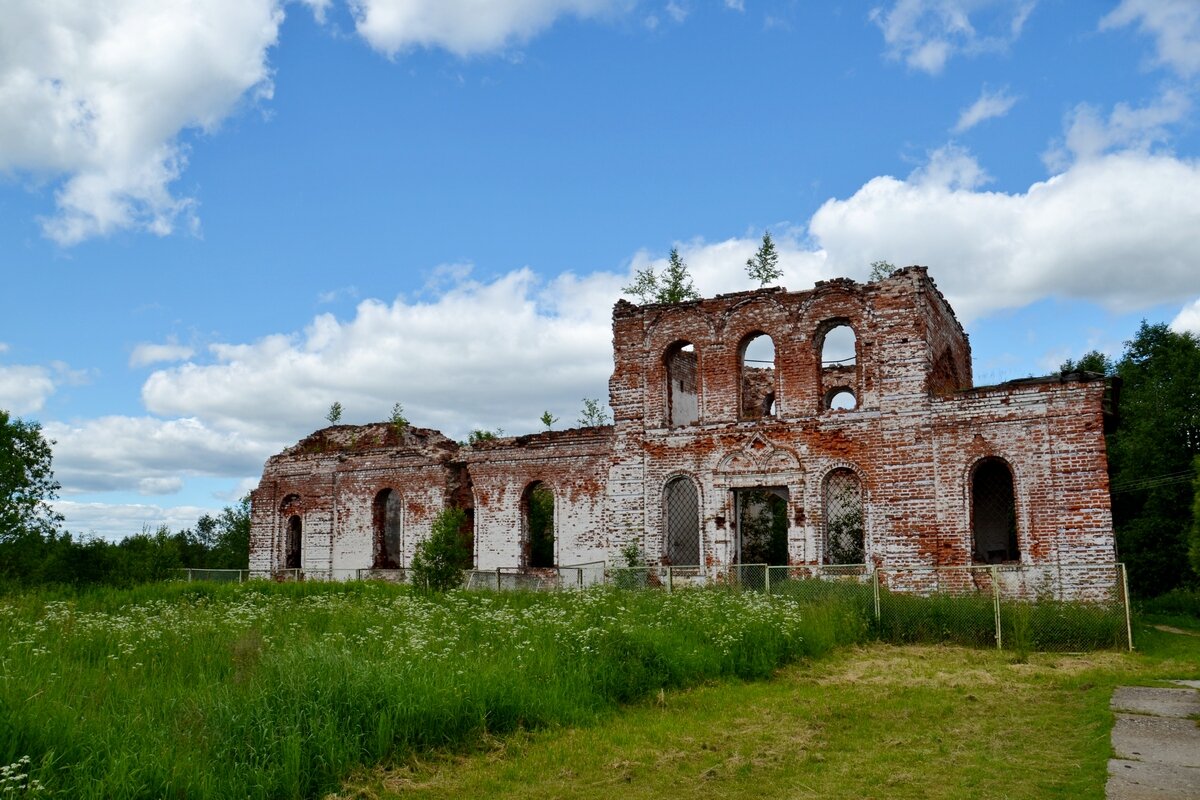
97, 94
117, 520
1121, 230
925, 34
989, 106
1089, 134
1188, 318
465, 27
1174, 24
24, 388
146, 353
735, 5
147, 455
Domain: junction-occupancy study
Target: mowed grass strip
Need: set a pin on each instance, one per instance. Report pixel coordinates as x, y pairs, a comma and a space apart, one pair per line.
875, 721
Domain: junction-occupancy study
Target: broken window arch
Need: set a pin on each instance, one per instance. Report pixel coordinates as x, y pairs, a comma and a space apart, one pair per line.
993, 512
841, 398
537, 522
387, 522
844, 531
683, 396
757, 382
681, 522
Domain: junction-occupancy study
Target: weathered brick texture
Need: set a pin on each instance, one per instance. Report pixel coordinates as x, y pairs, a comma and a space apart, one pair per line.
915, 437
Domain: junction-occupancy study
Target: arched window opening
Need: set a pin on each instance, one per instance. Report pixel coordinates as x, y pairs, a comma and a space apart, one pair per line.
293, 557
844, 539
841, 399
993, 513
681, 511
387, 521
758, 377
537, 507
762, 526
683, 398
839, 347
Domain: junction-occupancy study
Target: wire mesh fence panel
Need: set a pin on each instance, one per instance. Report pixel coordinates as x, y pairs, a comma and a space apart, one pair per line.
681, 506
1063, 608
216, 575
844, 543
750, 577
956, 606
385, 575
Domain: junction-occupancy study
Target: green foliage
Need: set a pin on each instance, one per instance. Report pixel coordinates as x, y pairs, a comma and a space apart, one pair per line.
1092, 361
763, 528
479, 435
1158, 437
541, 526
548, 419
439, 561
335, 413
673, 286
27, 483
282, 690
881, 270
1194, 542
764, 266
846, 538
398, 420
592, 414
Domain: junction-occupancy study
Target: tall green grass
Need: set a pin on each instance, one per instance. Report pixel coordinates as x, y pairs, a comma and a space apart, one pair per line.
269, 690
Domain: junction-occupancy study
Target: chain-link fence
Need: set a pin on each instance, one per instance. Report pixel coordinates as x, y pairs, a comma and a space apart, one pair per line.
1066, 607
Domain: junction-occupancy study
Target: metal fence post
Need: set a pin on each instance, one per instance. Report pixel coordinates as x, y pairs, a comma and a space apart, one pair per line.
996, 607
670, 580
875, 591
1125, 601
767, 584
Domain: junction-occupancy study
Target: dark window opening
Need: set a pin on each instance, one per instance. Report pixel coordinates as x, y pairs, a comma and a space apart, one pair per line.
844, 534
683, 397
293, 559
762, 526
757, 383
681, 511
993, 513
537, 506
387, 521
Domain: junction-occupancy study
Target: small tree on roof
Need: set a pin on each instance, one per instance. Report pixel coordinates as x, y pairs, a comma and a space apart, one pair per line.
674, 285
764, 266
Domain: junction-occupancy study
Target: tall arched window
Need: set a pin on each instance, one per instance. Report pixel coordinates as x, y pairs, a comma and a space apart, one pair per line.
839, 348
683, 397
993, 513
844, 539
295, 538
537, 521
386, 521
757, 384
681, 522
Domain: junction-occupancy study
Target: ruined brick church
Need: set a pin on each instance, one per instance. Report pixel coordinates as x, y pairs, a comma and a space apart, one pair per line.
835, 425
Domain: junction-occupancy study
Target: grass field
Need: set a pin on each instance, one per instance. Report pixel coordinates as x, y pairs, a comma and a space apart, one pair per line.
280, 690
295, 690
872, 721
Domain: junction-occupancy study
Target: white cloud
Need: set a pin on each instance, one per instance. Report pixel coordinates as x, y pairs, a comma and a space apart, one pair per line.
1089, 134
465, 27
1174, 24
927, 33
950, 167
989, 106
1188, 318
333, 295
145, 353
735, 5
676, 11
117, 520
96, 94
3, 347
24, 388
1121, 230
148, 455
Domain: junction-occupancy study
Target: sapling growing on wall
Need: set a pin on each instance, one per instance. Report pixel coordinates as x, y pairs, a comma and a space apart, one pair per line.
764, 266
548, 419
593, 413
881, 270
335, 413
673, 286
398, 420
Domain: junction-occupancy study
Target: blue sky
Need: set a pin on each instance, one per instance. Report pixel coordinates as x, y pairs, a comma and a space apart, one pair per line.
218, 217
